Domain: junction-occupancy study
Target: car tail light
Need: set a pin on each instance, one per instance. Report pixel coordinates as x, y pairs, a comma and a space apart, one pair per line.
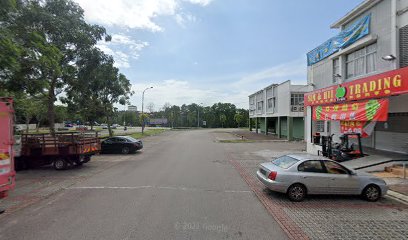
272, 175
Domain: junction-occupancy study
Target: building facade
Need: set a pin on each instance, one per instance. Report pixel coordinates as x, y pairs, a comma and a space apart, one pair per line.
278, 109
364, 65
132, 108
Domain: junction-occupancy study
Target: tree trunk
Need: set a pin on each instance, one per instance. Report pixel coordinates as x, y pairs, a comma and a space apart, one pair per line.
27, 123
109, 126
51, 107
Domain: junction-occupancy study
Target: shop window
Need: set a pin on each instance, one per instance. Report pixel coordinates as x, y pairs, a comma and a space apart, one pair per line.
297, 99
296, 102
260, 106
336, 69
271, 104
319, 126
362, 61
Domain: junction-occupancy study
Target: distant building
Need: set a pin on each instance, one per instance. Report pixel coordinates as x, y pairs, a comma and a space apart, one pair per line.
132, 108
278, 109
157, 121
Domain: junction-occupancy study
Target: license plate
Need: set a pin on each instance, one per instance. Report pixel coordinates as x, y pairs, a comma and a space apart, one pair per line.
262, 171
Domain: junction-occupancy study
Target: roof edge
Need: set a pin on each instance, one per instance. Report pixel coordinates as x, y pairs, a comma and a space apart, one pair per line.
362, 7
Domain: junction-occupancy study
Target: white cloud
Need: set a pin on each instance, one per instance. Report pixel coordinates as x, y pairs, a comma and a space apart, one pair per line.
200, 2
118, 45
138, 14
178, 92
183, 18
221, 89
294, 70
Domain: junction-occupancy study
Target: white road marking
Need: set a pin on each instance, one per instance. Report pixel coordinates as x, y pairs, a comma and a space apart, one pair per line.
161, 187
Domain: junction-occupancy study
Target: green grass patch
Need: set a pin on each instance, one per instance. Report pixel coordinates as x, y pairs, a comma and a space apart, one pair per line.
147, 133
237, 141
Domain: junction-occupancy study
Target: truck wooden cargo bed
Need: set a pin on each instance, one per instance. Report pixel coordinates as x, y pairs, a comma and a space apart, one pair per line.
61, 149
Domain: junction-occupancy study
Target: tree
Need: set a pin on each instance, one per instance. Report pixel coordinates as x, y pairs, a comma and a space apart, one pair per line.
150, 107
10, 49
143, 118
113, 86
223, 119
29, 108
53, 34
238, 119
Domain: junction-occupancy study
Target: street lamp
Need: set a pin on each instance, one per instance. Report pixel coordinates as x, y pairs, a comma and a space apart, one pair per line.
143, 123
198, 114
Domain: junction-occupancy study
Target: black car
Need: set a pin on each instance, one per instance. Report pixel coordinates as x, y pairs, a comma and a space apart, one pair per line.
121, 144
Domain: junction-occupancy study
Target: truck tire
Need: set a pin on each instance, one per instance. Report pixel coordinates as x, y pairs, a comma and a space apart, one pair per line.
20, 164
86, 159
60, 164
79, 160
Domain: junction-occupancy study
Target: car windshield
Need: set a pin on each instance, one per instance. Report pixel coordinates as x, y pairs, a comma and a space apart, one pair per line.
284, 162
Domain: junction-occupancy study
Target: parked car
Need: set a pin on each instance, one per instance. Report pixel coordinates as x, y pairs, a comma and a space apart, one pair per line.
121, 144
81, 128
68, 125
300, 174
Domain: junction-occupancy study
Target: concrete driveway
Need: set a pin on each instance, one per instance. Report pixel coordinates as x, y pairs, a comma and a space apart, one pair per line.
181, 186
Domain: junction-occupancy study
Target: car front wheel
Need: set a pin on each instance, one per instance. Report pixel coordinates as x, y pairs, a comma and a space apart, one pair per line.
372, 193
297, 192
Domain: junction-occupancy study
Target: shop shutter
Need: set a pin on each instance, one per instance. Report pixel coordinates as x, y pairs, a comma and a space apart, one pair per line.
403, 45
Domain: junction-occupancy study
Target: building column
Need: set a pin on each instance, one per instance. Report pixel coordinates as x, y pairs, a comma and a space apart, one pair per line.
278, 130
256, 124
266, 126
250, 124
289, 121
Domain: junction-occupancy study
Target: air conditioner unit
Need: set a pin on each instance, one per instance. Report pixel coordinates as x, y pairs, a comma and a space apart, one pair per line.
295, 109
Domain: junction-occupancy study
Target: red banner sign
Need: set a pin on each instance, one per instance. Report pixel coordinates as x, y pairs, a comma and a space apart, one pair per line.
364, 128
381, 85
372, 110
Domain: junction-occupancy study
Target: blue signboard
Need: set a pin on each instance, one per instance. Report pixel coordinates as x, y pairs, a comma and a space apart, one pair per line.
346, 37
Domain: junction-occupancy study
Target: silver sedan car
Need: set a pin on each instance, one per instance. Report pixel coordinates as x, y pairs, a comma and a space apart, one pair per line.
300, 174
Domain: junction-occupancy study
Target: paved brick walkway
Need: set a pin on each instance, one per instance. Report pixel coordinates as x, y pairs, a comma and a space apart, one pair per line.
319, 217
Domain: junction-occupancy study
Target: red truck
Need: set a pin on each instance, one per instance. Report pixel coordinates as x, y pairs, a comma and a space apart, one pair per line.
7, 172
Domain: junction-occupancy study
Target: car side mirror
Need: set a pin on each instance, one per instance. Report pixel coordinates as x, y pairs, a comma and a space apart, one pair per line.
352, 173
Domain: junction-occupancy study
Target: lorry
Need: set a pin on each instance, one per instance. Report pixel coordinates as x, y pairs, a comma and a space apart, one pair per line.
7, 172
62, 150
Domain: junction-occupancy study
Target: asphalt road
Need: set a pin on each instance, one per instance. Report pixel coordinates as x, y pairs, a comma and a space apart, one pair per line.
181, 186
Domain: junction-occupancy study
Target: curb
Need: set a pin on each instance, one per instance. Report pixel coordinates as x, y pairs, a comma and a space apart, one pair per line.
397, 196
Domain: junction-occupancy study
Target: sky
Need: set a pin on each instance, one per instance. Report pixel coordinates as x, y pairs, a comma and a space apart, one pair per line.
209, 51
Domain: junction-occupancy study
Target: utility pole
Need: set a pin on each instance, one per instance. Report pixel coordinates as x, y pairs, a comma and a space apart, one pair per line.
198, 115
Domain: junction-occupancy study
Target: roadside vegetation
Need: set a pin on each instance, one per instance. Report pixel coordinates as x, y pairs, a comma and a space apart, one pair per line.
50, 64
48, 54
218, 115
